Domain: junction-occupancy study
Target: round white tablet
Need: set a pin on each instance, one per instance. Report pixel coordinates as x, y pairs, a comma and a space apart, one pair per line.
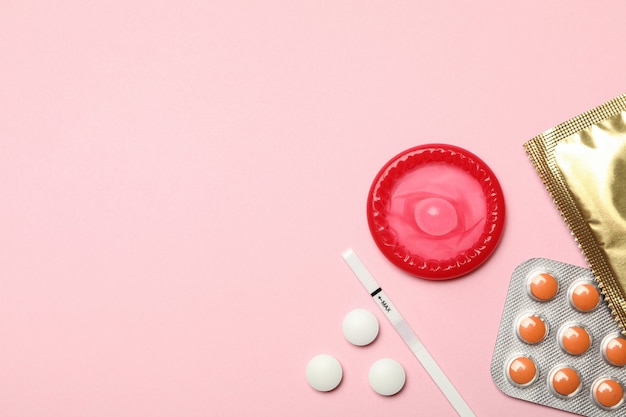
324, 372
387, 376
360, 327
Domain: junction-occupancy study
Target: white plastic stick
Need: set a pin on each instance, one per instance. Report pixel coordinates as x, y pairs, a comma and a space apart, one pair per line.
407, 334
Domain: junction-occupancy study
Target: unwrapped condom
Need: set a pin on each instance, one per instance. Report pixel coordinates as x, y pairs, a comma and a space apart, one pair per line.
436, 211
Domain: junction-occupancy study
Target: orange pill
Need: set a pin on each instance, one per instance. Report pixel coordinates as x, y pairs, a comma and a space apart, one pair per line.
522, 370
607, 393
614, 350
584, 296
565, 381
574, 340
543, 286
532, 329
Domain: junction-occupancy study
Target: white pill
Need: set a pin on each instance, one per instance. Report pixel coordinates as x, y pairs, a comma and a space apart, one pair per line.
324, 372
387, 376
360, 327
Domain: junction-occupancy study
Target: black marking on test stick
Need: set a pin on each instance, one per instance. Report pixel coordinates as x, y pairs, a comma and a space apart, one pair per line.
376, 291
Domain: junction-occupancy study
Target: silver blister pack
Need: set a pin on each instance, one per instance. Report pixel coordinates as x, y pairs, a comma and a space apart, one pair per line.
552, 324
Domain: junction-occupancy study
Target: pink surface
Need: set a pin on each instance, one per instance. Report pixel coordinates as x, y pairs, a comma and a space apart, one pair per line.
179, 179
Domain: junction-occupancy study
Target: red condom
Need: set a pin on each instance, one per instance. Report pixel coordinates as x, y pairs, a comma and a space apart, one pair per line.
436, 211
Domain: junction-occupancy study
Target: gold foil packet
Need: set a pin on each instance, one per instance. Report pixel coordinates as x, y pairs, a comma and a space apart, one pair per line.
582, 163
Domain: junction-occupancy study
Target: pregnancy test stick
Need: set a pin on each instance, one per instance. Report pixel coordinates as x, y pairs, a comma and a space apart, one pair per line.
407, 334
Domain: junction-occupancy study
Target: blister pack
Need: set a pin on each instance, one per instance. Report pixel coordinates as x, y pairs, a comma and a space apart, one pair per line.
558, 344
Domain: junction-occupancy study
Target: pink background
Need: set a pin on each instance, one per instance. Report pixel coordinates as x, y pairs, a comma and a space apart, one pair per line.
178, 180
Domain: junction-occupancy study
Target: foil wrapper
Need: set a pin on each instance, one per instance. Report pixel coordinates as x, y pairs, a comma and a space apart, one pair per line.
582, 163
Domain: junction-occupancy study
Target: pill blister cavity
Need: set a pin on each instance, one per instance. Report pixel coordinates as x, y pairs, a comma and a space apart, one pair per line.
584, 296
542, 286
521, 371
531, 328
607, 393
614, 349
574, 339
564, 381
